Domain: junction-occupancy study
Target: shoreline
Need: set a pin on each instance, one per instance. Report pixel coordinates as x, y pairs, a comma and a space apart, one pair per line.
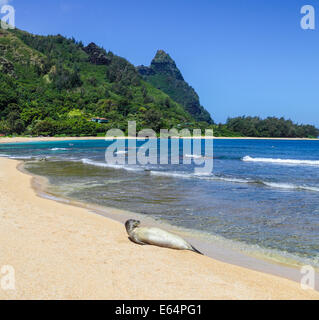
64, 252
5, 140
214, 247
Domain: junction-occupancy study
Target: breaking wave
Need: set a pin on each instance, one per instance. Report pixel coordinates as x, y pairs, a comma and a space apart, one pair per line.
290, 186
193, 156
59, 149
278, 185
212, 177
282, 161
107, 165
21, 157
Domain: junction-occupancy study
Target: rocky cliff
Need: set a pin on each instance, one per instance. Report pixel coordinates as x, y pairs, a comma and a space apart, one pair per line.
165, 75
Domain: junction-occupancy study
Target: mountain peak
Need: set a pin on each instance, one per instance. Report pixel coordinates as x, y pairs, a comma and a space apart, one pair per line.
162, 56
165, 75
163, 63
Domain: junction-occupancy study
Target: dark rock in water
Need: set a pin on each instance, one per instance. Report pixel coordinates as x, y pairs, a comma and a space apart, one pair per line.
165, 75
97, 55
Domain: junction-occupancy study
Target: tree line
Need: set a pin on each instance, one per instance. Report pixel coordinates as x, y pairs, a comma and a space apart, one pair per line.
270, 127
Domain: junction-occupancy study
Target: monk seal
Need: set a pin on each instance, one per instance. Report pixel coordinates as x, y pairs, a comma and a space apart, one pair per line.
156, 237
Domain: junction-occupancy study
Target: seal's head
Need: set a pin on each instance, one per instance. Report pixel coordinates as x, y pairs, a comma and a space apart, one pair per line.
131, 225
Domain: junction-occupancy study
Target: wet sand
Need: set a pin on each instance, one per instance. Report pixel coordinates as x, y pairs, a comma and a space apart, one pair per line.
61, 251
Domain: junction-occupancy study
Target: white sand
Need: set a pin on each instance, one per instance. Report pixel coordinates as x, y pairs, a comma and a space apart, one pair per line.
64, 252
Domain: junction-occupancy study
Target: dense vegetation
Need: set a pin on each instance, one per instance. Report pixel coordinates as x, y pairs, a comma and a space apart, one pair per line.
51, 85
270, 127
54, 86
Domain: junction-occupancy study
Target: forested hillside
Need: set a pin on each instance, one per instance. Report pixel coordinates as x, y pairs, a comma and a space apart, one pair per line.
51, 85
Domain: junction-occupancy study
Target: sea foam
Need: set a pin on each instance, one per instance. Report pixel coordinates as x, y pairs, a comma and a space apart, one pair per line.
108, 165
59, 149
282, 161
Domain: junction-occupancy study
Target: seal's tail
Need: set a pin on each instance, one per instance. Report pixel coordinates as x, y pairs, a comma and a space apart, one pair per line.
195, 250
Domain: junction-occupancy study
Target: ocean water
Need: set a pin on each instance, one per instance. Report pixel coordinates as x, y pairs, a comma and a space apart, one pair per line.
262, 194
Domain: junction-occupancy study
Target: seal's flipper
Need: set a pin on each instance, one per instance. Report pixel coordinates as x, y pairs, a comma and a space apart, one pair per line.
137, 241
195, 250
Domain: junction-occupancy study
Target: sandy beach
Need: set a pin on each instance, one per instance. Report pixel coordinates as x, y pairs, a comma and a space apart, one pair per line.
53, 139
60, 251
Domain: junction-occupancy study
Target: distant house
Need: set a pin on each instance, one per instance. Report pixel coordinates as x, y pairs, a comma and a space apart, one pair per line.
185, 124
100, 120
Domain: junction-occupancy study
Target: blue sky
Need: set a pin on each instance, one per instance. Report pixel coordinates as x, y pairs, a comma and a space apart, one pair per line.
247, 57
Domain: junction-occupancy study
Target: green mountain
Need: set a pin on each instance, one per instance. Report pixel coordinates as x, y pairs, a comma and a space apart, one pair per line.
164, 75
51, 85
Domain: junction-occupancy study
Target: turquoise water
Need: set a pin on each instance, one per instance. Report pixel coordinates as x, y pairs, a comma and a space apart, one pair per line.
262, 193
